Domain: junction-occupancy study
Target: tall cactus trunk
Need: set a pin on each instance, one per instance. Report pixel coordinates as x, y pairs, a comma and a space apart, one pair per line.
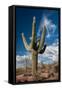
34, 63
36, 47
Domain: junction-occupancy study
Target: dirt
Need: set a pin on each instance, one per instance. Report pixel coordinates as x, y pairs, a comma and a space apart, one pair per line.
47, 72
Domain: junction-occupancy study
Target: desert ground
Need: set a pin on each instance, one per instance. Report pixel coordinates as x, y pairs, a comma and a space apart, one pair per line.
44, 72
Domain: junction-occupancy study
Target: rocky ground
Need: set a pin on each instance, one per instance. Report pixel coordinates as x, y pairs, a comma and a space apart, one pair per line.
45, 72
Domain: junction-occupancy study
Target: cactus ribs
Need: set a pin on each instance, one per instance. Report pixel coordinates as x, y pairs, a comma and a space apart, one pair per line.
36, 46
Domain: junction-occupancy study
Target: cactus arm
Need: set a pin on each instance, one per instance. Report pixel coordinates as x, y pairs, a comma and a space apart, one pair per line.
42, 39
33, 33
36, 46
25, 43
42, 50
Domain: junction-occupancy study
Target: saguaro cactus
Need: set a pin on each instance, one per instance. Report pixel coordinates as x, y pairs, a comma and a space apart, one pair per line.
36, 46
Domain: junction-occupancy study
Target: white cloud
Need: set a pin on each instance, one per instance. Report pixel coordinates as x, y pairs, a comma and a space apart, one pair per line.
46, 22
30, 38
50, 54
51, 27
21, 60
56, 42
48, 35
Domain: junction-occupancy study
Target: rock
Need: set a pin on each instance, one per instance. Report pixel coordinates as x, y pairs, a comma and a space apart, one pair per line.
30, 78
21, 78
44, 75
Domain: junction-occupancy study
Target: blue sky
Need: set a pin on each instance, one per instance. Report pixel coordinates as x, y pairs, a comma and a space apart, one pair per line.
24, 17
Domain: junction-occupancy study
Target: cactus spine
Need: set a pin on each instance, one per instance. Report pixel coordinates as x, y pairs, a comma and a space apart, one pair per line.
36, 47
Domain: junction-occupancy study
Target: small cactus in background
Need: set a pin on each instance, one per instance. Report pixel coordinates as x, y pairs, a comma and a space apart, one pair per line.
36, 46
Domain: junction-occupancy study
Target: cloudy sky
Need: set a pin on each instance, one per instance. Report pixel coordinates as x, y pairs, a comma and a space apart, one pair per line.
50, 19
